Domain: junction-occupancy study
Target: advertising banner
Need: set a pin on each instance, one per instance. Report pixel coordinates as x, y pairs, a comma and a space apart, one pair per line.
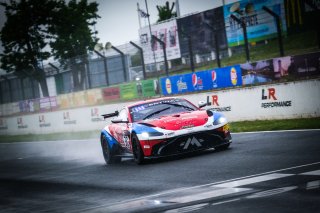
29, 105
111, 94
79, 99
48, 103
199, 28
167, 32
148, 88
260, 24
257, 72
298, 66
94, 96
128, 91
288, 67
203, 80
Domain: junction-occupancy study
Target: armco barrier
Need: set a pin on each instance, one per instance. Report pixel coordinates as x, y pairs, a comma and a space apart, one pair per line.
274, 101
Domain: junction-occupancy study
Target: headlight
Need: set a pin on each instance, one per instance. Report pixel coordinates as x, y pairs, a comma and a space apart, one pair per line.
145, 135
222, 120
219, 119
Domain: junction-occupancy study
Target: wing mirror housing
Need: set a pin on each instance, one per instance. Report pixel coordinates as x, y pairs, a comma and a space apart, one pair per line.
119, 120
202, 104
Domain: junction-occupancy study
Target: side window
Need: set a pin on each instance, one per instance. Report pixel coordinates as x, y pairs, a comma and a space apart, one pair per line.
123, 115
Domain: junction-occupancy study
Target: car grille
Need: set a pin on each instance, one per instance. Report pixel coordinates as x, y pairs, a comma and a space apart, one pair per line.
190, 142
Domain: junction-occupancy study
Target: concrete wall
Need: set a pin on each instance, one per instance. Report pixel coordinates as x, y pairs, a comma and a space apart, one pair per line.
273, 101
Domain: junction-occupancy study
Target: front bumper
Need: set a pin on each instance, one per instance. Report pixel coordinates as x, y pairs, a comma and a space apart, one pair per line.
191, 142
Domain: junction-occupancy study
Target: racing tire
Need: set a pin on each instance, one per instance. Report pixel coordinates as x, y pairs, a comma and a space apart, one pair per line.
108, 155
138, 155
223, 147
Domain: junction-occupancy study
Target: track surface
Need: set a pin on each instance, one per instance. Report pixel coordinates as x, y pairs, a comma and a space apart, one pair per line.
261, 172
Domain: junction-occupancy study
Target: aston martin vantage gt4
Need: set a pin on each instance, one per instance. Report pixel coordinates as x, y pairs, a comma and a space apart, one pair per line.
162, 127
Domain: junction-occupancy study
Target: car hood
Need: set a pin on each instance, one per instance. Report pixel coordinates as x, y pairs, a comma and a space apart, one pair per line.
178, 121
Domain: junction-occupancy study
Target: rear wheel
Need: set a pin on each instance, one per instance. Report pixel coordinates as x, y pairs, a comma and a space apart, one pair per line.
137, 150
108, 154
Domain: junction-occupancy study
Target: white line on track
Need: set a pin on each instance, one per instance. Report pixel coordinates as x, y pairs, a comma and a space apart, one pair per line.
227, 201
204, 185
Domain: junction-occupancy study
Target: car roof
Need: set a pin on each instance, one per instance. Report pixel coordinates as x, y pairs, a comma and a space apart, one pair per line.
151, 100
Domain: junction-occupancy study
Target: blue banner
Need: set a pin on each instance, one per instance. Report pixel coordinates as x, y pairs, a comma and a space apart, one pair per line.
202, 80
260, 24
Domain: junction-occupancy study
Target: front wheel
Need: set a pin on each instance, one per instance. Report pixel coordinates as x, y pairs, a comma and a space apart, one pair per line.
137, 151
108, 155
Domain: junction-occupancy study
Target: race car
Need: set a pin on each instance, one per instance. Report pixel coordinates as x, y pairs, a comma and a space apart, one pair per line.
162, 127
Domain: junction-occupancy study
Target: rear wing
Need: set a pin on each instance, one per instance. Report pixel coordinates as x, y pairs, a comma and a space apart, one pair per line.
109, 115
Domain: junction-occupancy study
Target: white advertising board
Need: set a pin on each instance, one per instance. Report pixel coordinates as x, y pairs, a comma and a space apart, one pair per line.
273, 101
167, 32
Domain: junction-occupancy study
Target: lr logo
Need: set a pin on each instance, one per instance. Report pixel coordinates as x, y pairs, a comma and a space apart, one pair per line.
216, 105
271, 94
215, 100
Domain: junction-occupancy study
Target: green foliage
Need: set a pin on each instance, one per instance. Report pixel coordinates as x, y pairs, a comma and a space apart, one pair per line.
165, 12
74, 37
24, 37
269, 125
35, 26
71, 26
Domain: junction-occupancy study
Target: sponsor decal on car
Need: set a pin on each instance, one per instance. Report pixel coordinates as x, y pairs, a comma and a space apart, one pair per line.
193, 142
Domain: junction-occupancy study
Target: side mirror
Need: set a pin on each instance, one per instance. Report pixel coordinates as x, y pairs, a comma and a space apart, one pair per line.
119, 120
202, 104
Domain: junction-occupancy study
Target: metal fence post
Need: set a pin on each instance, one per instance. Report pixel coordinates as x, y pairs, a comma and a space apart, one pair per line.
105, 67
142, 58
123, 62
277, 18
244, 28
190, 49
164, 53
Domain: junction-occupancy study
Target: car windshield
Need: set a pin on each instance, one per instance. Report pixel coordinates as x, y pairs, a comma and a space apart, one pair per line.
160, 108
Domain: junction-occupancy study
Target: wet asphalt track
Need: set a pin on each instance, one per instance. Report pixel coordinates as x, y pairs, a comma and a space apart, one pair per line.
261, 172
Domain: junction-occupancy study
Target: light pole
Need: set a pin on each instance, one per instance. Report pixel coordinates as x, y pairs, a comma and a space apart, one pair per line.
154, 55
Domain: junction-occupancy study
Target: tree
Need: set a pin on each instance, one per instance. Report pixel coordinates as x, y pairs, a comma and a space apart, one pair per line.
24, 37
74, 37
35, 26
165, 12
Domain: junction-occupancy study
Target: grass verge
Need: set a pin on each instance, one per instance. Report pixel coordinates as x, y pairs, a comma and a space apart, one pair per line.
242, 126
270, 125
